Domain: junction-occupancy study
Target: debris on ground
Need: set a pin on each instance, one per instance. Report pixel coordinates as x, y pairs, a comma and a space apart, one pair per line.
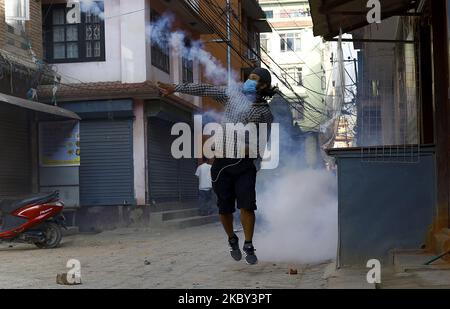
293, 271
62, 279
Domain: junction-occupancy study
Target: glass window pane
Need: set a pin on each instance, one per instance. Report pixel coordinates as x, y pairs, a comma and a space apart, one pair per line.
88, 49
72, 33
72, 50
58, 16
59, 51
88, 32
298, 44
290, 44
97, 32
97, 49
58, 34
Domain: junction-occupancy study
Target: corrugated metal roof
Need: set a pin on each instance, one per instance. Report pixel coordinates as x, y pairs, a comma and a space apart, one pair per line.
39, 107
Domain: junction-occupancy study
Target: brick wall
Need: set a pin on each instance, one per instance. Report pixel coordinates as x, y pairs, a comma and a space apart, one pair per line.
34, 27
2, 23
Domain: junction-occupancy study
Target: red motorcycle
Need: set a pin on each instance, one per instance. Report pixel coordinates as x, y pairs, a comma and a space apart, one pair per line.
35, 220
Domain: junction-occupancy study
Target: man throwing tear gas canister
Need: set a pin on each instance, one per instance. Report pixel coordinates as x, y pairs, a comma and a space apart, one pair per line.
233, 177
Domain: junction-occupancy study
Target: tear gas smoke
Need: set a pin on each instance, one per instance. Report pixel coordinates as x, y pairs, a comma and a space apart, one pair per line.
297, 217
181, 44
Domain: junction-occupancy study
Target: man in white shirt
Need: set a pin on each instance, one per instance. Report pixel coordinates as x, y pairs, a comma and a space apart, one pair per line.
205, 187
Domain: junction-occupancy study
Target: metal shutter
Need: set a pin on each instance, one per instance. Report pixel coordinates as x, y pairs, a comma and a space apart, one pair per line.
170, 180
15, 161
106, 167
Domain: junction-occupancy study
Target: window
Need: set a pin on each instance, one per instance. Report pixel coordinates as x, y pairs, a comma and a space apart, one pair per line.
188, 70
265, 42
160, 50
18, 10
269, 14
70, 42
299, 72
293, 74
290, 42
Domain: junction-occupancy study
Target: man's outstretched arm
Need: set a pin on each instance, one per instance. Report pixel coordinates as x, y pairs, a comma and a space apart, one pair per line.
203, 90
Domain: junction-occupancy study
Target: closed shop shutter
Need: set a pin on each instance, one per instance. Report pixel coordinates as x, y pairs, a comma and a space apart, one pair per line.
15, 159
106, 169
170, 179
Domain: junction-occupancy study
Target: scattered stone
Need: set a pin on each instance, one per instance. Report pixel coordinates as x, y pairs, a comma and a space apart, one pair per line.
61, 278
293, 271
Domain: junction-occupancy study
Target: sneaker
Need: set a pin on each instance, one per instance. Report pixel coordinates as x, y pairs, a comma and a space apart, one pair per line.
235, 252
250, 256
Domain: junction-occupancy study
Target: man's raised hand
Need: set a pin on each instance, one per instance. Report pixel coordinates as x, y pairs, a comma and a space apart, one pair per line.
166, 89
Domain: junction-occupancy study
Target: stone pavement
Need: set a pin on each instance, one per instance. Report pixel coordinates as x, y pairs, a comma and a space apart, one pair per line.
195, 257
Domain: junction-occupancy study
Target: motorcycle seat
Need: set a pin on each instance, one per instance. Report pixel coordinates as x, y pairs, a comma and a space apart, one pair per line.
9, 205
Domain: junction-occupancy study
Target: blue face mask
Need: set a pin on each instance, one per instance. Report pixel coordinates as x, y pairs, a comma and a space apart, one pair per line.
249, 86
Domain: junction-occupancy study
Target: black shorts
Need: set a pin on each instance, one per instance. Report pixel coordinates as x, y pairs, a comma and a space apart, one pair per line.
234, 185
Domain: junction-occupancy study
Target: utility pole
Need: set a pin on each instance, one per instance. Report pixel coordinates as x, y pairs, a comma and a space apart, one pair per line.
229, 10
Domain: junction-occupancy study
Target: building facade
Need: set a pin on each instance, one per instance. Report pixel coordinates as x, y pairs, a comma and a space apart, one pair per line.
247, 21
109, 64
394, 187
20, 113
302, 67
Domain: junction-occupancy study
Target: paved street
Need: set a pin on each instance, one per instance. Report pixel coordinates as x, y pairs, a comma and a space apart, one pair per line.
196, 257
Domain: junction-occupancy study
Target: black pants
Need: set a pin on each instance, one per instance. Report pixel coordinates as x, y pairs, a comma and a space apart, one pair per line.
234, 185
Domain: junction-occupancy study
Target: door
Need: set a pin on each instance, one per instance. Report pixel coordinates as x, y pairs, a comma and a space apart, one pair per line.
106, 162
15, 159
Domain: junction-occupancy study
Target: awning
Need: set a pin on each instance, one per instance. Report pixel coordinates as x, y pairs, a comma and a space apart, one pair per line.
329, 16
253, 9
263, 26
39, 107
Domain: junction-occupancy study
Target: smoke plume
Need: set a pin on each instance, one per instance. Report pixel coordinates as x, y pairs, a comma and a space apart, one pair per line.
297, 217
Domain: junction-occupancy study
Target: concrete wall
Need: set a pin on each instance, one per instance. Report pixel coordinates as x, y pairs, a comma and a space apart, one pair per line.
139, 152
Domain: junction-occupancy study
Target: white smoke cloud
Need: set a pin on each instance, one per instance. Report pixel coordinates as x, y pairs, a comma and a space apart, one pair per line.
162, 33
94, 7
297, 217
181, 44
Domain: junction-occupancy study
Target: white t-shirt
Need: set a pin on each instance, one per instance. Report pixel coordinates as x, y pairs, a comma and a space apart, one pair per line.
204, 176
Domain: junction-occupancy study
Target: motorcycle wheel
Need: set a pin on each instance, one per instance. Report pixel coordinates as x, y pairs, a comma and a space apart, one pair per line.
53, 236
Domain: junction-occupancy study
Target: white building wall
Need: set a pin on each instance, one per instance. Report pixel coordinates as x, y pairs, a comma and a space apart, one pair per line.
309, 57
109, 70
128, 51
